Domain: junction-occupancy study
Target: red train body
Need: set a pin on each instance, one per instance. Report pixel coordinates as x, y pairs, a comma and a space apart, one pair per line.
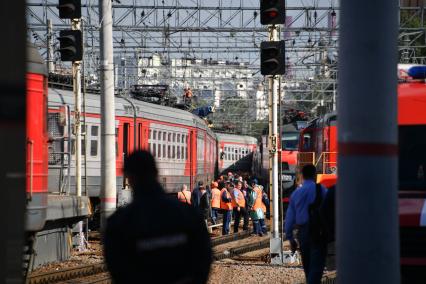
321, 137
36, 133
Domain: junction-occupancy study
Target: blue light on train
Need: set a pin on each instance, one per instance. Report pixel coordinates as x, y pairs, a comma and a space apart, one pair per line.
417, 72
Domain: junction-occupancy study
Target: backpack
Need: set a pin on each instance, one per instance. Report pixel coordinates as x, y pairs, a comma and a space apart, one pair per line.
317, 229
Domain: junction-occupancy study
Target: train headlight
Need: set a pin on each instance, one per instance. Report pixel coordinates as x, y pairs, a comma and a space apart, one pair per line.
287, 177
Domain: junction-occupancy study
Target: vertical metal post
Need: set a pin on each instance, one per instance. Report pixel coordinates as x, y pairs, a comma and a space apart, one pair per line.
276, 242
50, 57
108, 173
76, 70
367, 208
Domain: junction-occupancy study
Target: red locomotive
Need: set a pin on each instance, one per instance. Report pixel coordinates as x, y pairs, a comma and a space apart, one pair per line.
319, 146
36, 132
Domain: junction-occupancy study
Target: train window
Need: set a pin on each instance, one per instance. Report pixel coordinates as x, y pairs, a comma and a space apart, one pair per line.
73, 146
178, 138
159, 151
174, 137
174, 152
159, 135
154, 150
183, 152
183, 138
83, 147
178, 152
93, 147
169, 137
164, 136
164, 151
150, 147
155, 135
169, 150
94, 130
150, 134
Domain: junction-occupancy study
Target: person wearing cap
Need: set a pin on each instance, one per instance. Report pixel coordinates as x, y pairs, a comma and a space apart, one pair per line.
215, 202
139, 238
226, 205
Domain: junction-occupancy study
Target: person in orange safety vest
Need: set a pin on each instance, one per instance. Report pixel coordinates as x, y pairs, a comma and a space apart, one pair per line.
215, 202
239, 207
184, 195
226, 205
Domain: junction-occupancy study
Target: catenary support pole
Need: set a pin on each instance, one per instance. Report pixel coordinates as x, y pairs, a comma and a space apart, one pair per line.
108, 174
76, 69
367, 212
276, 243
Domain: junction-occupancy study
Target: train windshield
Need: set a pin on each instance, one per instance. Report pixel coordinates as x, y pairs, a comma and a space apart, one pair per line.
290, 141
412, 157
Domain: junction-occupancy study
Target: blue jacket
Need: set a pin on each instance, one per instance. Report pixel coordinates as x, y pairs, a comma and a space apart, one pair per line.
300, 199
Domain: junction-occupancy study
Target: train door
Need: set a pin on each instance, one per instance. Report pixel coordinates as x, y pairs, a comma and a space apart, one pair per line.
126, 146
192, 149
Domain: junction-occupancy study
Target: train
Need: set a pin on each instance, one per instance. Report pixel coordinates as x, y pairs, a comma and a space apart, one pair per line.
185, 149
288, 152
318, 145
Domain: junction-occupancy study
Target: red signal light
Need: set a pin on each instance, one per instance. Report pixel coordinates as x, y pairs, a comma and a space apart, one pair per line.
272, 14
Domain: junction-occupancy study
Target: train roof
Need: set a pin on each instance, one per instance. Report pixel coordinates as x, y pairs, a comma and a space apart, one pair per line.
123, 107
236, 138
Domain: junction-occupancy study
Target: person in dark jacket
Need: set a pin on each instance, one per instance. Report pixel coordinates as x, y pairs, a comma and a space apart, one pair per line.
196, 195
155, 232
204, 204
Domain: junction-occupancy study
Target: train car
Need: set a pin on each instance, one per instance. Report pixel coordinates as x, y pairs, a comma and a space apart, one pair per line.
290, 134
37, 138
412, 178
182, 144
318, 146
412, 181
235, 153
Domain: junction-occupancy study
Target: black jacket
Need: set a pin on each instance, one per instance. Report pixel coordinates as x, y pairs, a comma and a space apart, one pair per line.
155, 239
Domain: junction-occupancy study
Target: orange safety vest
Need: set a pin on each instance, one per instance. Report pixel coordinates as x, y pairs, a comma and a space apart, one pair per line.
258, 202
225, 205
240, 200
184, 196
215, 198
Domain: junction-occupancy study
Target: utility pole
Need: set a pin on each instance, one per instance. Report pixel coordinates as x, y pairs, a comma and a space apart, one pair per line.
367, 207
108, 174
76, 72
50, 57
276, 242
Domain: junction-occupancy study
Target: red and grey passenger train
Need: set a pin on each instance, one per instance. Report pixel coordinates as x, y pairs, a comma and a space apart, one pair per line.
186, 150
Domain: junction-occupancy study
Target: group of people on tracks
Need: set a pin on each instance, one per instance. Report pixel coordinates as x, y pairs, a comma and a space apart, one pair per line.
232, 197
157, 231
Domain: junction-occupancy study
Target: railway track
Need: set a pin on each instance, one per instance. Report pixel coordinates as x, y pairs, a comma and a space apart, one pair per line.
88, 273
66, 274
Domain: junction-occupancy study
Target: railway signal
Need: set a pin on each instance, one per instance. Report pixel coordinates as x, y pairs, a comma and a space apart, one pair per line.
69, 9
71, 45
272, 58
272, 12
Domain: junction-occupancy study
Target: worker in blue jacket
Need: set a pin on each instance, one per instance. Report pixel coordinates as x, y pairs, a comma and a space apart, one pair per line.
303, 201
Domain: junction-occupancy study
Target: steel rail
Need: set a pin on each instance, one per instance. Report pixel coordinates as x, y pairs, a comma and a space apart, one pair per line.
66, 274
